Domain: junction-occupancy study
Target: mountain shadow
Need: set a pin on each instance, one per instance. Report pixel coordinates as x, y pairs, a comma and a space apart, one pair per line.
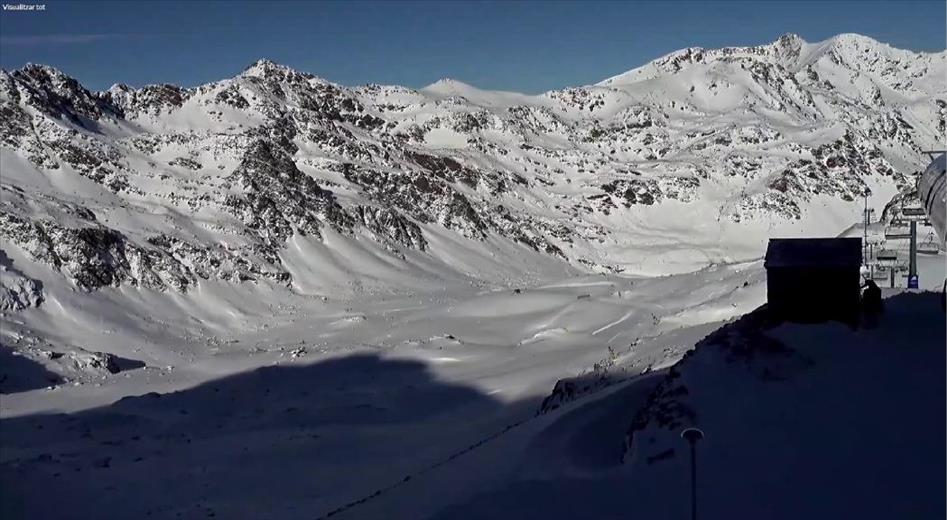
275, 432
20, 374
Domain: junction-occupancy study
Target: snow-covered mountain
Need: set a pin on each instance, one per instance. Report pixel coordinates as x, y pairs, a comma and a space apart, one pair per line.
306, 299
277, 175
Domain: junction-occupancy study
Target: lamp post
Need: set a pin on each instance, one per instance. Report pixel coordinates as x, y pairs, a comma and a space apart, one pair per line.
692, 435
867, 220
912, 258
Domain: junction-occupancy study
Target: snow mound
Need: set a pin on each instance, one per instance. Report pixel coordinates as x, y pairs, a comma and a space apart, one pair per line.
850, 420
800, 421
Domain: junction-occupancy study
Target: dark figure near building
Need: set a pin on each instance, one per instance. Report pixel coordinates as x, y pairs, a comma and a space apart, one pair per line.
811, 280
872, 306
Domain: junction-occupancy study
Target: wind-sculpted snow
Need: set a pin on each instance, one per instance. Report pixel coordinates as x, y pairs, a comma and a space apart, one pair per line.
785, 138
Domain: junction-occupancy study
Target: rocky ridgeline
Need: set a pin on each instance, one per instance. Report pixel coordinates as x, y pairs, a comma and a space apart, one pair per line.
838, 169
274, 152
151, 99
71, 240
56, 95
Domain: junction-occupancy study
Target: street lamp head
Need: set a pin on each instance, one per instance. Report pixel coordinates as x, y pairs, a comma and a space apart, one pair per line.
692, 435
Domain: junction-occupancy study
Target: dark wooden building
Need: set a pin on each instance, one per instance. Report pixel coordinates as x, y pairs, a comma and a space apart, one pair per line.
814, 279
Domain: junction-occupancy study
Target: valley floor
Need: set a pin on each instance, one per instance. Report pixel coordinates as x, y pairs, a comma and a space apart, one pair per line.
328, 400
389, 407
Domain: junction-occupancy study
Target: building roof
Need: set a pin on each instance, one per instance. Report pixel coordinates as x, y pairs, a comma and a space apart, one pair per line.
814, 252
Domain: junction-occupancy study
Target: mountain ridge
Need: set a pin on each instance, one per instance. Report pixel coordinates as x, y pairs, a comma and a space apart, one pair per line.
697, 160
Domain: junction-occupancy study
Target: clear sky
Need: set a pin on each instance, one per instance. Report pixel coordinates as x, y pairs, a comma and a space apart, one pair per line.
522, 46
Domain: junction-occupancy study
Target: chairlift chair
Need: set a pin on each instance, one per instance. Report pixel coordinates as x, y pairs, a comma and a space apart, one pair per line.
887, 255
894, 235
929, 246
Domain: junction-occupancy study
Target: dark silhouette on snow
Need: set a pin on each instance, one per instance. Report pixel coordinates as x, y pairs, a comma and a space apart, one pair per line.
872, 305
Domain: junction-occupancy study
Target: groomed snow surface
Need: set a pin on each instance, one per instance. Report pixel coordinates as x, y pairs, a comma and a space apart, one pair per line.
292, 411
427, 407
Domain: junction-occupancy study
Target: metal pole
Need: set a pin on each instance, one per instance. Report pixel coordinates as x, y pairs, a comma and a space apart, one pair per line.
692, 435
912, 265
865, 241
693, 481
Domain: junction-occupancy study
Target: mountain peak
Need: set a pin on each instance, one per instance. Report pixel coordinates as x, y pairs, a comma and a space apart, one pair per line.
43, 72
854, 38
788, 49
45, 77
264, 65
56, 93
264, 68
449, 87
790, 40
447, 83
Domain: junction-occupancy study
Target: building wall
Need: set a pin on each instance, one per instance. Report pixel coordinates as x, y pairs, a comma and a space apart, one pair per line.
814, 294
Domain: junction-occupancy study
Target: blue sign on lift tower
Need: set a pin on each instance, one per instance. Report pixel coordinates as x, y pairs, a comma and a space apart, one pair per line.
912, 281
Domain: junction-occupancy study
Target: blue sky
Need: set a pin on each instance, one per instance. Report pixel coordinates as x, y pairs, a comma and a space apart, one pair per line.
522, 46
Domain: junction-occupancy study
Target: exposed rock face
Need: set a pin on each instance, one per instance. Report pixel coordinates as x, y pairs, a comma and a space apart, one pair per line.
427, 199
57, 95
17, 291
94, 256
162, 186
277, 199
388, 225
152, 99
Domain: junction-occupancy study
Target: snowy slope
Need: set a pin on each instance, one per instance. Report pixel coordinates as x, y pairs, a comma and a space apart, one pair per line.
329, 400
800, 421
691, 159
282, 184
361, 283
